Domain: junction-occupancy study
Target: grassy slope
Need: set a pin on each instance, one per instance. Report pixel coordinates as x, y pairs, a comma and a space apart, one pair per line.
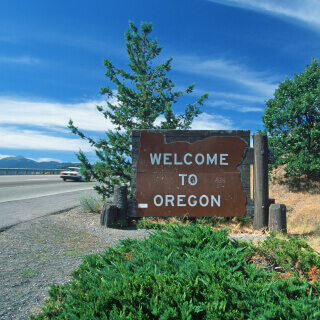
303, 211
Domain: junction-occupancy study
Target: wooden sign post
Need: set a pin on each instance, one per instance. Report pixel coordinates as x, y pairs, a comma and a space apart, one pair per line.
198, 173
260, 181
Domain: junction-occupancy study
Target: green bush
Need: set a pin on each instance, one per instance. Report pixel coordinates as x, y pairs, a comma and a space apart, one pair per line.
292, 123
148, 223
187, 272
292, 255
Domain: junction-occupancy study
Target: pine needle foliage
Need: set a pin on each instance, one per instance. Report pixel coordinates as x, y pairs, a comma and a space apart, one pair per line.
186, 272
140, 98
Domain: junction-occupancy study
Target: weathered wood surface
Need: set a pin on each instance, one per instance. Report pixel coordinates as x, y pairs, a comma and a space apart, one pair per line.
120, 201
171, 136
277, 218
118, 210
260, 181
109, 215
249, 157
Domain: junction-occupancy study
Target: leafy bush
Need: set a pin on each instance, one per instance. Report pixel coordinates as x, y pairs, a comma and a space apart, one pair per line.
292, 122
120, 224
188, 272
149, 223
292, 255
162, 223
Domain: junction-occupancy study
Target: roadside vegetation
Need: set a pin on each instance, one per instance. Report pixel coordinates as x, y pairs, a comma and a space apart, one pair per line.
89, 203
292, 122
303, 206
192, 272
190, 268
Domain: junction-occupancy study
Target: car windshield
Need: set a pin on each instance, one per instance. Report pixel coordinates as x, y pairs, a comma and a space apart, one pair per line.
74, 169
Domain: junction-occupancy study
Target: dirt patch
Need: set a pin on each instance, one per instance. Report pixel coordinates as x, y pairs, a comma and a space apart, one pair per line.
45, 251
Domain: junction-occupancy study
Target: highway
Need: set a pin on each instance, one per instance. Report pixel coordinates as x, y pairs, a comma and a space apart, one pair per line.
26, 197
19, 187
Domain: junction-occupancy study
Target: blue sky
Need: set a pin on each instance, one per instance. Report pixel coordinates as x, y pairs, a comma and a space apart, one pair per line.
51, 62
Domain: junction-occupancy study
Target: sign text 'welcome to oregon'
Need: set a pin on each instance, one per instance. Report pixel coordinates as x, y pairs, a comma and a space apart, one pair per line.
189, 173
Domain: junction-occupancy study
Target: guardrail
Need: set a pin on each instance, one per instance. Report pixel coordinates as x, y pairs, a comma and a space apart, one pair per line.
16, 171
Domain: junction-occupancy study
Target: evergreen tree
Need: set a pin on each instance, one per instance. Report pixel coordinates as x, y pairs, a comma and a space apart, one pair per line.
292, 122
143, 95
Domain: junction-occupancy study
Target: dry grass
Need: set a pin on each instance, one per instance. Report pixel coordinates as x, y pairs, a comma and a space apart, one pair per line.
303, 209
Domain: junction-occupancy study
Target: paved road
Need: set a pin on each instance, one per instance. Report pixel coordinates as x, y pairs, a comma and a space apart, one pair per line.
30, 186
27, 197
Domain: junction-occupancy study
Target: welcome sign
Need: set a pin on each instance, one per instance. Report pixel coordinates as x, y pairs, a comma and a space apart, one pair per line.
193, 173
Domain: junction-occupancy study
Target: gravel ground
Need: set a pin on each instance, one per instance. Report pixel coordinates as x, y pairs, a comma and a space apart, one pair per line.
44, 251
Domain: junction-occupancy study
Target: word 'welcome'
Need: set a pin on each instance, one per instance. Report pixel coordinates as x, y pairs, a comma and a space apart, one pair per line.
189, 159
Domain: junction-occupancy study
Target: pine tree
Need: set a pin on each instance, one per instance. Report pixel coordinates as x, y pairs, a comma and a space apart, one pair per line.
143, 95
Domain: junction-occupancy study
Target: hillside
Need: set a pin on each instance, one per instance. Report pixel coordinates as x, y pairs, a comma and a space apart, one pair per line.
303, 207
21, 162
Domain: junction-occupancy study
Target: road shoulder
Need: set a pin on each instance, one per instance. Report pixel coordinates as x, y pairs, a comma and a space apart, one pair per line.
44, 251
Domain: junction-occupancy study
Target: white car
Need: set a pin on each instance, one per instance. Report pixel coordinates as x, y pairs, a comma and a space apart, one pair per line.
72, 173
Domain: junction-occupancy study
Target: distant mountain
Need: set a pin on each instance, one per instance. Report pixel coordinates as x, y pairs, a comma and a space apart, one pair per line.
24, 163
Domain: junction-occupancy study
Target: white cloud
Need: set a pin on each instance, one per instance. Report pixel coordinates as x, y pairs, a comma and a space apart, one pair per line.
48, 114
43, 115
26, 60
45, 159
239, 96
5, 38
258, 82
13, 138
207, 121
5, 156
234, 106
307, 11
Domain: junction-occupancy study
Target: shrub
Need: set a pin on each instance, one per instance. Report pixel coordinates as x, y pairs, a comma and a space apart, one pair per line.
90, 203
292, 122
185, 272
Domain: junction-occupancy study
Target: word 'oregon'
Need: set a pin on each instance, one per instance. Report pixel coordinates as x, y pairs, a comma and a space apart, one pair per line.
182, 200
189, 159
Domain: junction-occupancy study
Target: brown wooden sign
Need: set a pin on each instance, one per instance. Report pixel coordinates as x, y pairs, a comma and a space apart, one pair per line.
197, 178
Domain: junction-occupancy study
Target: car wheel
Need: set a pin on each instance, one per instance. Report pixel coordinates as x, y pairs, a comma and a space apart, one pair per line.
64, 179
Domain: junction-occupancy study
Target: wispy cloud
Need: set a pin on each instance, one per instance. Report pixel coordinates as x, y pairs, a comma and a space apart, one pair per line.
5, 38
258, 82
26, 60
45, 159
5, 156
49, 121
55, 116
229, 105
307, 11
239, 97
51, 114
207, 121
14, 138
